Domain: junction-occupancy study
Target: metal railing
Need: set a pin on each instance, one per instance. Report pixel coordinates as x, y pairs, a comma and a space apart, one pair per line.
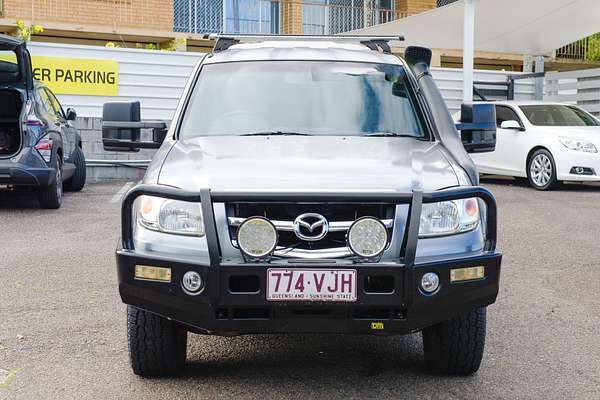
586, 49
279, 16
574, 51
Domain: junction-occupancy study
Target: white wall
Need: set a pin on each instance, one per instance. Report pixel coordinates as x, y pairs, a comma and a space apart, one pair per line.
157, 78
580, 87
449, 81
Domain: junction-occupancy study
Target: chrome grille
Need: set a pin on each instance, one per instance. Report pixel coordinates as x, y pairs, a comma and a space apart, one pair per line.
339, 217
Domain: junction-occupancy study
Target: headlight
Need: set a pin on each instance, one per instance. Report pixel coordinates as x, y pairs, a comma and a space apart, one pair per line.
169, 216
577, 145
257, 237
449, 217
367, 237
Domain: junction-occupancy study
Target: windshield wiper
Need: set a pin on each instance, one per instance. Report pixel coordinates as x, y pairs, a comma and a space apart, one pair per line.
275, 133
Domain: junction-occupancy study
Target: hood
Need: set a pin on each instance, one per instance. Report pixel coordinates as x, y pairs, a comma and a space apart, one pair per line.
589, 133
307, 163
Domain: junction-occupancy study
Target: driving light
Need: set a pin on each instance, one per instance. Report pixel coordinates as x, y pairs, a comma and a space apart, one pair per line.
169, 216
577, 145
449, 217
257, 237
148, 273
430, 282
367, 237
192, 282
467, 274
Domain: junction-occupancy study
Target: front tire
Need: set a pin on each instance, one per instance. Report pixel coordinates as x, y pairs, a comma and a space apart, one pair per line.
541, 170
51, 197
157, 346
77, 181
456, 346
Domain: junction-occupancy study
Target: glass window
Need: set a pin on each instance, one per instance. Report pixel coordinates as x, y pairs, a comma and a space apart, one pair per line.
558, 115
54, 103
45, 101
9, 68
504, 113
306, 97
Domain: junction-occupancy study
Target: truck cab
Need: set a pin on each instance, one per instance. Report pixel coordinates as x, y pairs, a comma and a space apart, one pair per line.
308, 185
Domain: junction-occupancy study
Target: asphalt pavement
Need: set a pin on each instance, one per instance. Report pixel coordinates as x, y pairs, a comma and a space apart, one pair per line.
63, 331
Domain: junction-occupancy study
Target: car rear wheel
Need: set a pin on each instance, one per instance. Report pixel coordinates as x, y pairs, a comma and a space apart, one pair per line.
77, 181
541, 170
157, 346
51, 197
456, 346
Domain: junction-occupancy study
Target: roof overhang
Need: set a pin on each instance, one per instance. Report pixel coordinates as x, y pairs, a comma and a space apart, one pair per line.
533, 27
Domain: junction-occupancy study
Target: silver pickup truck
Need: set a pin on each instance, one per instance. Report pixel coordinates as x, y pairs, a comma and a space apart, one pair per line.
308, 185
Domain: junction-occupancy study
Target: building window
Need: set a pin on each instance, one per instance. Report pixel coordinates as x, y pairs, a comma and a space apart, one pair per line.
336, 16
442, 3
197, 16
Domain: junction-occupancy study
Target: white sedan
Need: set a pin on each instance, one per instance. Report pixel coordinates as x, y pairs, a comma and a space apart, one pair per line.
547, 143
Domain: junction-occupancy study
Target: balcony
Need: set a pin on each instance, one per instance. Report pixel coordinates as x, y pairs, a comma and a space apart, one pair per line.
281, 16
587, 49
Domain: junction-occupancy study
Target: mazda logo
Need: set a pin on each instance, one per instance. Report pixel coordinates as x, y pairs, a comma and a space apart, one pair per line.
311, 226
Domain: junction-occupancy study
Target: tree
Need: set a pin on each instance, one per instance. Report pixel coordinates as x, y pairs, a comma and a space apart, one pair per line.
593, 53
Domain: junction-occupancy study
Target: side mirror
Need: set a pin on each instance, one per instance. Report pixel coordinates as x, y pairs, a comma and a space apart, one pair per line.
477, 127
121, 128
71, 114
511, 124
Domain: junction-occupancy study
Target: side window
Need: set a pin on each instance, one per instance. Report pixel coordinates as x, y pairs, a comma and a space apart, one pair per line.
45, 101
55, 104
504, 113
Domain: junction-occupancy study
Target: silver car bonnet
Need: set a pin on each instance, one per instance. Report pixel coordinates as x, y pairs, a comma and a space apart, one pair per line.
307, 164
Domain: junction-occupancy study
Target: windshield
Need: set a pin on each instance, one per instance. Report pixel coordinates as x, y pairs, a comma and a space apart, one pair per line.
302, 97
557, 115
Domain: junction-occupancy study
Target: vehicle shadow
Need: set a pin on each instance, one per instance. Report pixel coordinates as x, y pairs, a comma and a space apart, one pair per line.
306, 362
18, 200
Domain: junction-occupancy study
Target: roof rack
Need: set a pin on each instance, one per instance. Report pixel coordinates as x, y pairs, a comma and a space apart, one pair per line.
224, 41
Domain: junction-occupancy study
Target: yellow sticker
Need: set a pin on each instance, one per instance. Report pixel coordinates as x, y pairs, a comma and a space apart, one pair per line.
377, 325
83, 76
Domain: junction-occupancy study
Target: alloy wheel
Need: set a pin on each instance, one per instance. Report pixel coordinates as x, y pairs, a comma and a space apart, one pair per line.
541, 170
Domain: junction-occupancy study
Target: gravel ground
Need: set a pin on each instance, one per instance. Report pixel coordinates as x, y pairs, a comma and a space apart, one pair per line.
62, 325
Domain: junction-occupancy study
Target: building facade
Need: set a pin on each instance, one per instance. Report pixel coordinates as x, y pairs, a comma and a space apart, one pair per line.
309, 17
181, 24
142, 14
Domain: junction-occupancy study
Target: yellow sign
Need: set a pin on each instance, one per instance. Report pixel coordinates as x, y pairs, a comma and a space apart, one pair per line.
77, 75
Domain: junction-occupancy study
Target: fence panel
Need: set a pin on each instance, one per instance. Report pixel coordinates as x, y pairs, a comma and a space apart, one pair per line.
581, 88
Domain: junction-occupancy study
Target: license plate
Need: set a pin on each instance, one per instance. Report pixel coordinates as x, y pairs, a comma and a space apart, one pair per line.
311, 284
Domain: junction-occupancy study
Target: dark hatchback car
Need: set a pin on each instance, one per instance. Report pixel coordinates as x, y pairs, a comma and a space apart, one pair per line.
40, 148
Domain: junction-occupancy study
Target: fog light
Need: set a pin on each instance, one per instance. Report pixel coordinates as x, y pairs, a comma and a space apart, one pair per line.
367, 237
148, 273
430, 282
192, 282
582, 171
467, 274
257, 237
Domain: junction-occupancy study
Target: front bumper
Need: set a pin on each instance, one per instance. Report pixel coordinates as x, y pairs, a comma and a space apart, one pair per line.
566, 160
217, 310
222, 311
